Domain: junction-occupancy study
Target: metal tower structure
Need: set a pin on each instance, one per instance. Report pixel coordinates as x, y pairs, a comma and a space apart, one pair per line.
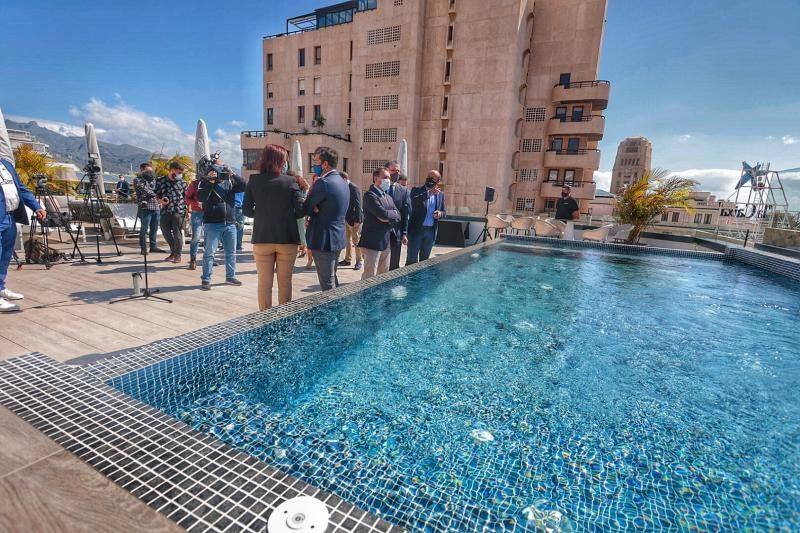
760, 202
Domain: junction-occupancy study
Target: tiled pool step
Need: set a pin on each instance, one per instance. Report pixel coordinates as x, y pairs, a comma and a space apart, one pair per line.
194, 479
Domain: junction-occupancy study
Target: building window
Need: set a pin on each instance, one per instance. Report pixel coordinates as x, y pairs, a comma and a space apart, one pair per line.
552, 174
349, 112
577, 113
301, 114
534, 114
317, 85
398, 3
251, 159
441, 169
664, 216
564, 79
531, 145
698, 219
569, 176
301, 87
676, 216
556, 143
452, 5
301, 57
443, 139
350, 83
383, 35
368, 166
380, 135
445, 104
524, 204
632, 148
344, 164
317, 55
317, 112
528, 174
269, 61
351, 50
450, 30
382, 70
706, 219
269, 90
448, 67
561, 113
270, 117
381, 103
549, 205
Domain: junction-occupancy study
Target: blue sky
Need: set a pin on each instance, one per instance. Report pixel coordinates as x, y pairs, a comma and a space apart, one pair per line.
710, 82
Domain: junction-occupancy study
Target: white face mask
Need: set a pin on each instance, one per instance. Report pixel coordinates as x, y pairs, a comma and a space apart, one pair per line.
385, 184
178, 176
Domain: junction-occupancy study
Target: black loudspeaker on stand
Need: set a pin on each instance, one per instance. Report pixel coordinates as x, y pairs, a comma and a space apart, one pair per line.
147, 292
488, 197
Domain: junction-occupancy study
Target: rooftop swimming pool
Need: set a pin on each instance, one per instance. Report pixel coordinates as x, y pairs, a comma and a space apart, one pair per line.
520, 389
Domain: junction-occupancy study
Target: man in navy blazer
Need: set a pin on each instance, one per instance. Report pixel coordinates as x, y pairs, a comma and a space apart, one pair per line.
402, 200
380, 216
427, 208
327, 205
14, 196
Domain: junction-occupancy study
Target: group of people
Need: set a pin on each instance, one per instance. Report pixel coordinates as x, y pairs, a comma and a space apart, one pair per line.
374, 225
324, 217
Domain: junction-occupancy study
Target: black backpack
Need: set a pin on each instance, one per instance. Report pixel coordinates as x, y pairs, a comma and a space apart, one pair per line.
36, 252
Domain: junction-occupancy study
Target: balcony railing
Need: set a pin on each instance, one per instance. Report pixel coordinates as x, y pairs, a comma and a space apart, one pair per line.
585, 118
579, 84
577, 151
570, 183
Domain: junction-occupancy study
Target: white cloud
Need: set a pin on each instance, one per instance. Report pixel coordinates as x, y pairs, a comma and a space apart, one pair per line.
62, 128
603, 179
788, 139
769, 138
685, 137
237, 123
121, 123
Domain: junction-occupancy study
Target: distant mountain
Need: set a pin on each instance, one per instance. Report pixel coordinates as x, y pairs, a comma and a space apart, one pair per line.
117, 158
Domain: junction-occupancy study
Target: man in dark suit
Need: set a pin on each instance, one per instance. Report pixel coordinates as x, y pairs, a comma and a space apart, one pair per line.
354, 218
427, 208
402, 200
380, 217
327, 205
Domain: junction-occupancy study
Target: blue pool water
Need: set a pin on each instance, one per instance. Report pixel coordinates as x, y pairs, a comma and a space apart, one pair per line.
575, 391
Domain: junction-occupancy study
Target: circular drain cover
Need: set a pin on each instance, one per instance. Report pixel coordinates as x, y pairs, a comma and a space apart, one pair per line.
303, 514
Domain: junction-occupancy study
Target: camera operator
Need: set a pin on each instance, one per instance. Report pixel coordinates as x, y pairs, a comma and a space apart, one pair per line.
217, 192
149, 208
14, 196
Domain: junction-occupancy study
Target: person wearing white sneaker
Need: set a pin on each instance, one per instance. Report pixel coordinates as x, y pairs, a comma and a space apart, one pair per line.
14, 196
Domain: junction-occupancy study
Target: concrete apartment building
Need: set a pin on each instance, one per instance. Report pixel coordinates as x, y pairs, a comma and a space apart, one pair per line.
634, 157
501, 94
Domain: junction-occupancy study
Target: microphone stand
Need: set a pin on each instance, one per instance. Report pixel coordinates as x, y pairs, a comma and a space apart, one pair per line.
147, 292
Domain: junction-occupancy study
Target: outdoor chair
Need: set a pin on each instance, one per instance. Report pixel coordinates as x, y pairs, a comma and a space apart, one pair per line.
124, 218
622, 233
497, 224
601, 234
507, 218
522, 224
546, 228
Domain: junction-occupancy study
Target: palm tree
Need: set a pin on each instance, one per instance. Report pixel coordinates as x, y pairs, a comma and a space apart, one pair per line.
28, 162
161, 165
645, 200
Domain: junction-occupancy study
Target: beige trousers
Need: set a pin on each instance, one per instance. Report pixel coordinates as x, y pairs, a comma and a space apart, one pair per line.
375, 262
353, 236
268, 256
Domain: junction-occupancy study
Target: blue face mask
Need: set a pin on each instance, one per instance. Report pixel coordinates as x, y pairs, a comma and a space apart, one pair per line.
316, 169
285, 168
219, 169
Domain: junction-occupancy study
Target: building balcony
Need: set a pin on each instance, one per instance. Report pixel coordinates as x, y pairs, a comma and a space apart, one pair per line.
591, 126
583, 158
581, 190
595, 91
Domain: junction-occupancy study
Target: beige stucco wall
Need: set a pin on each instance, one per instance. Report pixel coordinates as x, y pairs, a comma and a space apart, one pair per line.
784, 238
506, 56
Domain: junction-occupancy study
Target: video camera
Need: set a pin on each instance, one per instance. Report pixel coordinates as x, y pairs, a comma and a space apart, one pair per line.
209, 163
92, 167
41, 182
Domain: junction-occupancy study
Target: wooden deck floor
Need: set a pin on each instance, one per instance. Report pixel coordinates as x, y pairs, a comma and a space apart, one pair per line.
66, 311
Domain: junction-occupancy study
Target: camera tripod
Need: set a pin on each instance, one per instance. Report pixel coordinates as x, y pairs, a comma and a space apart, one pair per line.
95, 206
147, 292
485, 231
45, 198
